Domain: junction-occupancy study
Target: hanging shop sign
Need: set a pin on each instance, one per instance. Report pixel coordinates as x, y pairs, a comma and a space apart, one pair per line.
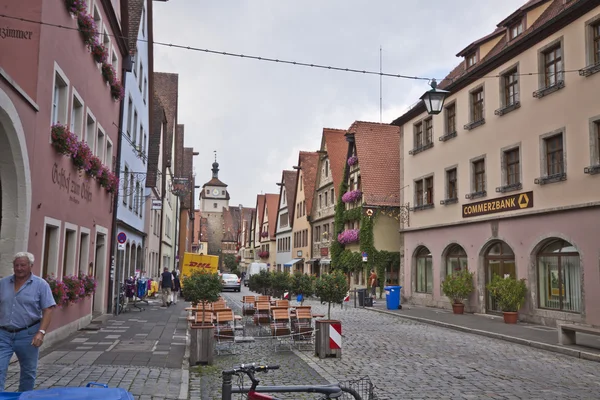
517, 201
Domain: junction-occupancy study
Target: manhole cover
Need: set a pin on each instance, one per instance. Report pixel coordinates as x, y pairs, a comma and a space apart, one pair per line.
134, 345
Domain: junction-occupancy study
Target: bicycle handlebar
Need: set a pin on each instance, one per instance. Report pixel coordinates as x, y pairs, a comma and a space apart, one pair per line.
249, 369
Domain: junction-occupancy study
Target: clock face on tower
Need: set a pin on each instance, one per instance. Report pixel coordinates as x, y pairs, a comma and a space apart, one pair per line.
215, 192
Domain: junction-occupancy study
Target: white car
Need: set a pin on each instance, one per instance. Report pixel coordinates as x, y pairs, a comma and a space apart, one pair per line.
231, 281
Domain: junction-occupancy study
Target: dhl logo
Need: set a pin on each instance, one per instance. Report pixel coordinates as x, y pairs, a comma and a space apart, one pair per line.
198, 265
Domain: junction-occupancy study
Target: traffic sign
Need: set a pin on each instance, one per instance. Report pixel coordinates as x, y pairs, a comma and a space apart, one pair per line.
121, 246
121, 237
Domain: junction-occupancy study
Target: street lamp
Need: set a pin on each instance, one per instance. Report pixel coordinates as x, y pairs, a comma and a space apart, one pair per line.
434, 99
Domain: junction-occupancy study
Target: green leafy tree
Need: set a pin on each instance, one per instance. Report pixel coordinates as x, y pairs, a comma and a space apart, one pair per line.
303, 284
230, 262
261, 282
281, 282
458, 286
331, 288
508, 292
202, 287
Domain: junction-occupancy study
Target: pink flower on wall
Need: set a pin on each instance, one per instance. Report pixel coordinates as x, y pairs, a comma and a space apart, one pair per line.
352, 196
264, 234
352, 160
349, 236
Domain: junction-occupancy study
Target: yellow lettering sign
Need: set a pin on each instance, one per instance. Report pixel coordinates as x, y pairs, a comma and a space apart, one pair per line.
508, 203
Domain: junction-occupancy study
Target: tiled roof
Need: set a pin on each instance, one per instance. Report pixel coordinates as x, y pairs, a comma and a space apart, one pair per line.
308, 162
521, 10
134, 9
260, 209
249, 239
214, 182
179, 138
289, 180
159, 120
272, 208
337, 150
378, 151
475, 44
166, 88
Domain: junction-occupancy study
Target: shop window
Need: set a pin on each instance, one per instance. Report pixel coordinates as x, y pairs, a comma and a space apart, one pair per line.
559, 277
456, 259
424, 271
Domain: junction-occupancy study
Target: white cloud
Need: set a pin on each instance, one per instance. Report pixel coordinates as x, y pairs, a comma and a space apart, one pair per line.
258, 115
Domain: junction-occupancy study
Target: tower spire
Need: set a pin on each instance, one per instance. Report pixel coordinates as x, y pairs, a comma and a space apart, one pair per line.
215, 167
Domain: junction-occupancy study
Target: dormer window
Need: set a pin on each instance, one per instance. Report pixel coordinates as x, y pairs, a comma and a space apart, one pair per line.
515, 30
471, 60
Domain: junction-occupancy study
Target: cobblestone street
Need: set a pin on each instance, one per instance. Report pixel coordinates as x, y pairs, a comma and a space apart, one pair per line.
410, 360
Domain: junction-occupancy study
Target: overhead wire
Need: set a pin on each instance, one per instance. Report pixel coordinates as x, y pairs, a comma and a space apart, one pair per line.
278, 60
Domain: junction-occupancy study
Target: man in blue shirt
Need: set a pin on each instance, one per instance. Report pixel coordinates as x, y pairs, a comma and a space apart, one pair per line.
26, 305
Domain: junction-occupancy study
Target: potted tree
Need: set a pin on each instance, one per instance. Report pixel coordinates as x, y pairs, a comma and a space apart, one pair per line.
331, 288
458, 287
201, 288
510, 294
303, 285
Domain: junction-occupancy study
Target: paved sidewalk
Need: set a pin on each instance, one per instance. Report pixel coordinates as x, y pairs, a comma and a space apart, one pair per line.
140, 351
538, 336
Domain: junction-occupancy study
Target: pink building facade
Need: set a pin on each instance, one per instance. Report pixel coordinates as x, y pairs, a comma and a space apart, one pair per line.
50, 206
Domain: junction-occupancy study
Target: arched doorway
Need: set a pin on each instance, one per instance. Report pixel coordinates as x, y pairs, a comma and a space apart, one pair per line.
499, 260
423, 270
456, 259
15, 186
559, 277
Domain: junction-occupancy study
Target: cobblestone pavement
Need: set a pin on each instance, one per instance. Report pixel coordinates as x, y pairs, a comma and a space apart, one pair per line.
410, 360
139, 351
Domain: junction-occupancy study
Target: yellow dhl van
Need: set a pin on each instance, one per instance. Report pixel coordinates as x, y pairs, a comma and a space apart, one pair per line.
197, 262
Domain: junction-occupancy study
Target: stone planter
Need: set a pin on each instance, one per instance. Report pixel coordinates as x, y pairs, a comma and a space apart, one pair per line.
202, 344
327, 345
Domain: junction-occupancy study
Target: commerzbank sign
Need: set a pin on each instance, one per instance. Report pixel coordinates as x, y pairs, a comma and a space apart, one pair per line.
517, 201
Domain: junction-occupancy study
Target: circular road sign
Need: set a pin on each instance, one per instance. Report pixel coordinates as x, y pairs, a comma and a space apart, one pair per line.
121, 237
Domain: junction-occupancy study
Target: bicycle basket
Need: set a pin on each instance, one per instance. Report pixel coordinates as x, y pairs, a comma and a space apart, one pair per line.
363, 386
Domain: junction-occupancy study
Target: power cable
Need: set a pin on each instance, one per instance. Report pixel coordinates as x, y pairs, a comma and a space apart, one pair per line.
277, 60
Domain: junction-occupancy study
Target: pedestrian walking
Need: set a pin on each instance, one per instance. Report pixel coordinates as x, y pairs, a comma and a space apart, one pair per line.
26, 305
373, 284
165, 284
176, 285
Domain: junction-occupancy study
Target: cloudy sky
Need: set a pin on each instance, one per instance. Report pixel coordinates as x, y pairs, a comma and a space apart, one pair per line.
258, 115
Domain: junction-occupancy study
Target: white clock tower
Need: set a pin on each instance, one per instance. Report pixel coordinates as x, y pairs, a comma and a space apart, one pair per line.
214, 196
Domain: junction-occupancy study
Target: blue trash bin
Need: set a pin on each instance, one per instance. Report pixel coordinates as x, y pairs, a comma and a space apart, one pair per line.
392, 297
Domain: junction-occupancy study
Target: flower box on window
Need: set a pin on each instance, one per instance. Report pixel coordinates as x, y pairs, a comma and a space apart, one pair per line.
352, 161
349, 236
352, 196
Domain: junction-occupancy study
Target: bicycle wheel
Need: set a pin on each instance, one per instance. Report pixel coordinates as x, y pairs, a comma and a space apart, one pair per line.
353, 394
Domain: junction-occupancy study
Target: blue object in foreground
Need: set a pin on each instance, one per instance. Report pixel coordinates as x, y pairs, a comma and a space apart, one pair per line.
77, 393
392, 297
9, 395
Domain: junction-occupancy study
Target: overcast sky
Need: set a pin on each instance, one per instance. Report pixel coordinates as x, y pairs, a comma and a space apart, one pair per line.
258, 115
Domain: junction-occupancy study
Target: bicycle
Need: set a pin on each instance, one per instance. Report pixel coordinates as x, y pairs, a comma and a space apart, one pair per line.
332, 391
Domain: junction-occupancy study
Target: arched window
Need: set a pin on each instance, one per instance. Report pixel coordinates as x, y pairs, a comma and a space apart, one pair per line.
456, 259
499, 260
424, 271
559, 277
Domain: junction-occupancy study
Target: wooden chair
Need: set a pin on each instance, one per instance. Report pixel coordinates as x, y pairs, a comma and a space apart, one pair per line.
262, 313
248, 305
203, 319
225, 329
263, 298
282, 303
280, 322
303, 328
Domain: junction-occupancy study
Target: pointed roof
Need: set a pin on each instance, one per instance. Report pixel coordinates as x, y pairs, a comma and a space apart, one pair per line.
260, 209
272, 203
337, 150
155, 139
308, 162
134, 9
289, 181
378, 151
166, 87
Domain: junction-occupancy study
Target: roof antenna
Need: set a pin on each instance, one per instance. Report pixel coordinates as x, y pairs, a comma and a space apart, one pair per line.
214, 151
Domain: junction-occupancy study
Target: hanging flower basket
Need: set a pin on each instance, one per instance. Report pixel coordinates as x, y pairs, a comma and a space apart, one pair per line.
63, 140
113, 183
59, 290
116, 90
75, 288
263, 254
109, 73
87, 27
95, 166
349, 236
89, 284
75, 6
82, 156
352, 196
264, 234
353, 161
99, 52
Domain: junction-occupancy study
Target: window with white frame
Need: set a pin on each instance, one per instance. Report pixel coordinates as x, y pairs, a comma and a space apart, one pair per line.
97, 16
100, 143
553, 154
77, 114
131, 193
129, 116
90, 131
60, 98
145, 89
51, 249
141, 200
141, 137
134, 127
133, 64
424, 192
125, 184
141, 77
69, 251
136, 207
109, 155
143, 20
115, 60
106, 42
144, 147
595, 140
552, 65
84, 251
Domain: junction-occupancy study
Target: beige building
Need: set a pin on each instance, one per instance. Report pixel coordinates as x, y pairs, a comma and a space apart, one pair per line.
330, 172
504, 181
303, 203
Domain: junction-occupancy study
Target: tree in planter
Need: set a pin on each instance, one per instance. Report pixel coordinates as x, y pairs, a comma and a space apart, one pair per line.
280, 283
510, 294
303, 284
261, 282
202, 287
230, 262
331, 288
458, 287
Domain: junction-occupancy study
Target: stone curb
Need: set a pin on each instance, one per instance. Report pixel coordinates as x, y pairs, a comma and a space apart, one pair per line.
531, 343
185, 370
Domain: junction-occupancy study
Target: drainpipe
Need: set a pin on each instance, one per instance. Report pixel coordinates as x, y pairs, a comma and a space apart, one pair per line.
113, 286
